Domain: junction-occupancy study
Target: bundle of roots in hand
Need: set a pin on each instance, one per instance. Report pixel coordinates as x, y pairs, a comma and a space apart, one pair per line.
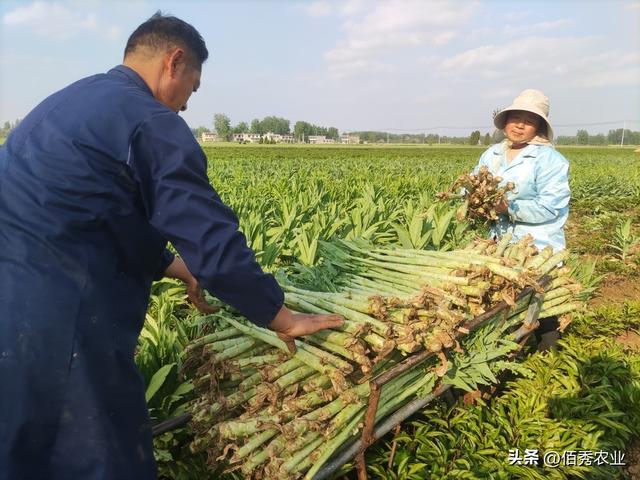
481, 195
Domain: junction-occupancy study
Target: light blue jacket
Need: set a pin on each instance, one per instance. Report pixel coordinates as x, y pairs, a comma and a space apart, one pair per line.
539, 205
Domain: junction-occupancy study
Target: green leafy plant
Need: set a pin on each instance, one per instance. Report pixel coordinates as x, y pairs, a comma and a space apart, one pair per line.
624, 240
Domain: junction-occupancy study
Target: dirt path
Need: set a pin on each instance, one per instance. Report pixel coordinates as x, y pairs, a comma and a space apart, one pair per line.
617, 289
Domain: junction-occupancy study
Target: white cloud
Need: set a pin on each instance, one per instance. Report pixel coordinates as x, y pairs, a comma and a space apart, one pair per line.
633, 6
387, 28
536, 27
532, 55
609, 69
54, 20
113, 33
352, 7
516, 16
444, 37
431, 97
537, 59
357, 67
325, 8
319, 9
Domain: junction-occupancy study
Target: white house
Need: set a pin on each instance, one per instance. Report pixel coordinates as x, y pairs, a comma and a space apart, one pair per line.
209, 137
278, 138
246, 137
317, 139
350, 139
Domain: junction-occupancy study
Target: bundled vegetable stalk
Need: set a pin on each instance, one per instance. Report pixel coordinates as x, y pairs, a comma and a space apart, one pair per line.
481, 194
277, 415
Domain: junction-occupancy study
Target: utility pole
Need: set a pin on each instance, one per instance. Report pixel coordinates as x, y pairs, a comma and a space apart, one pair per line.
624, 127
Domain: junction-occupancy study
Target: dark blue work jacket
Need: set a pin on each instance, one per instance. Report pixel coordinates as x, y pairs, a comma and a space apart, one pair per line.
93, 183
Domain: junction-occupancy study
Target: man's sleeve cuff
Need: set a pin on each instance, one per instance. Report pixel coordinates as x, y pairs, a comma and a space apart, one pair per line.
165, 261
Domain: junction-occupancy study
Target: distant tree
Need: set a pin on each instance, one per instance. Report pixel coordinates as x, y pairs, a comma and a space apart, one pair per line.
332, 132
302, 130
275, 125
256, 127
241, 127
474, 138
198, 131
222, 124
432, 138
598, 139
614, 137
582, 137
6, 128
486, 139
497, 136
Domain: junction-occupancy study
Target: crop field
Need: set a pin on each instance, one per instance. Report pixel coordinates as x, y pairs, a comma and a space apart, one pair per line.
583, 398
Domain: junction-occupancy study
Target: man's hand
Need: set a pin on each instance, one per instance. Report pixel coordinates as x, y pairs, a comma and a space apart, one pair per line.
178, 269
289, 325
196, 295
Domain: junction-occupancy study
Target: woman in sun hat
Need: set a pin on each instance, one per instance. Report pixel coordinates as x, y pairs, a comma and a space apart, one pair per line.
539, 204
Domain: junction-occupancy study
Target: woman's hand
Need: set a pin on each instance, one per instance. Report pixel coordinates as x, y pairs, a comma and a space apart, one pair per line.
289, 325
178, 269
502, 207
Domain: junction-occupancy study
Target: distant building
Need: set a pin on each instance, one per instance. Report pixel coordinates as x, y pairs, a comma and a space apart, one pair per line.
277, 138
256, 137
247, 137
209, 137
351, 139
320, 139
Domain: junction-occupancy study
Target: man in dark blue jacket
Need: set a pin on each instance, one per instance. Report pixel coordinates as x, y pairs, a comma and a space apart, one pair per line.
93, 183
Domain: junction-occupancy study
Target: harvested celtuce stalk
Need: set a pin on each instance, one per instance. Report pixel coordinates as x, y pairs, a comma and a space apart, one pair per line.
282, 416
481, 194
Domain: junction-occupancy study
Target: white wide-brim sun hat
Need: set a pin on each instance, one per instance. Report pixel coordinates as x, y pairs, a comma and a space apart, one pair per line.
533, 101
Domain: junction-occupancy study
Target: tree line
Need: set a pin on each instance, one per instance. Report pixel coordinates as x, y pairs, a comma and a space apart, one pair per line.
7, 127
302, 130
614, 137
475, 138
280, 126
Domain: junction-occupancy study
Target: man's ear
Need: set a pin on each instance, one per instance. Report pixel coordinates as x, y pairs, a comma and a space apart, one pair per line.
176, 57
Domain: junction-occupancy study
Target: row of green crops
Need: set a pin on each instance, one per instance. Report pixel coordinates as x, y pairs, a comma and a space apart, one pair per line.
290, 198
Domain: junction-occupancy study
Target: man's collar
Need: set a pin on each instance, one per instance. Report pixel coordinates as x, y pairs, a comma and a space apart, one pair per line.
132, 75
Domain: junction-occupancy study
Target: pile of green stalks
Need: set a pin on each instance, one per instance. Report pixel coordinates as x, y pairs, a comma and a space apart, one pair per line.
273, 414
480, 192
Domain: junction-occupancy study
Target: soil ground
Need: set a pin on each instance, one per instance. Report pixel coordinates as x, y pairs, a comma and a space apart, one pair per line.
632, 459
616, 289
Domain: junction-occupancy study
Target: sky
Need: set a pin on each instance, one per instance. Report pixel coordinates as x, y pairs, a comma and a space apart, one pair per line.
420, 66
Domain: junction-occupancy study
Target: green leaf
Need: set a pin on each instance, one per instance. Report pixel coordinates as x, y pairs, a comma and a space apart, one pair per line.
157, 381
